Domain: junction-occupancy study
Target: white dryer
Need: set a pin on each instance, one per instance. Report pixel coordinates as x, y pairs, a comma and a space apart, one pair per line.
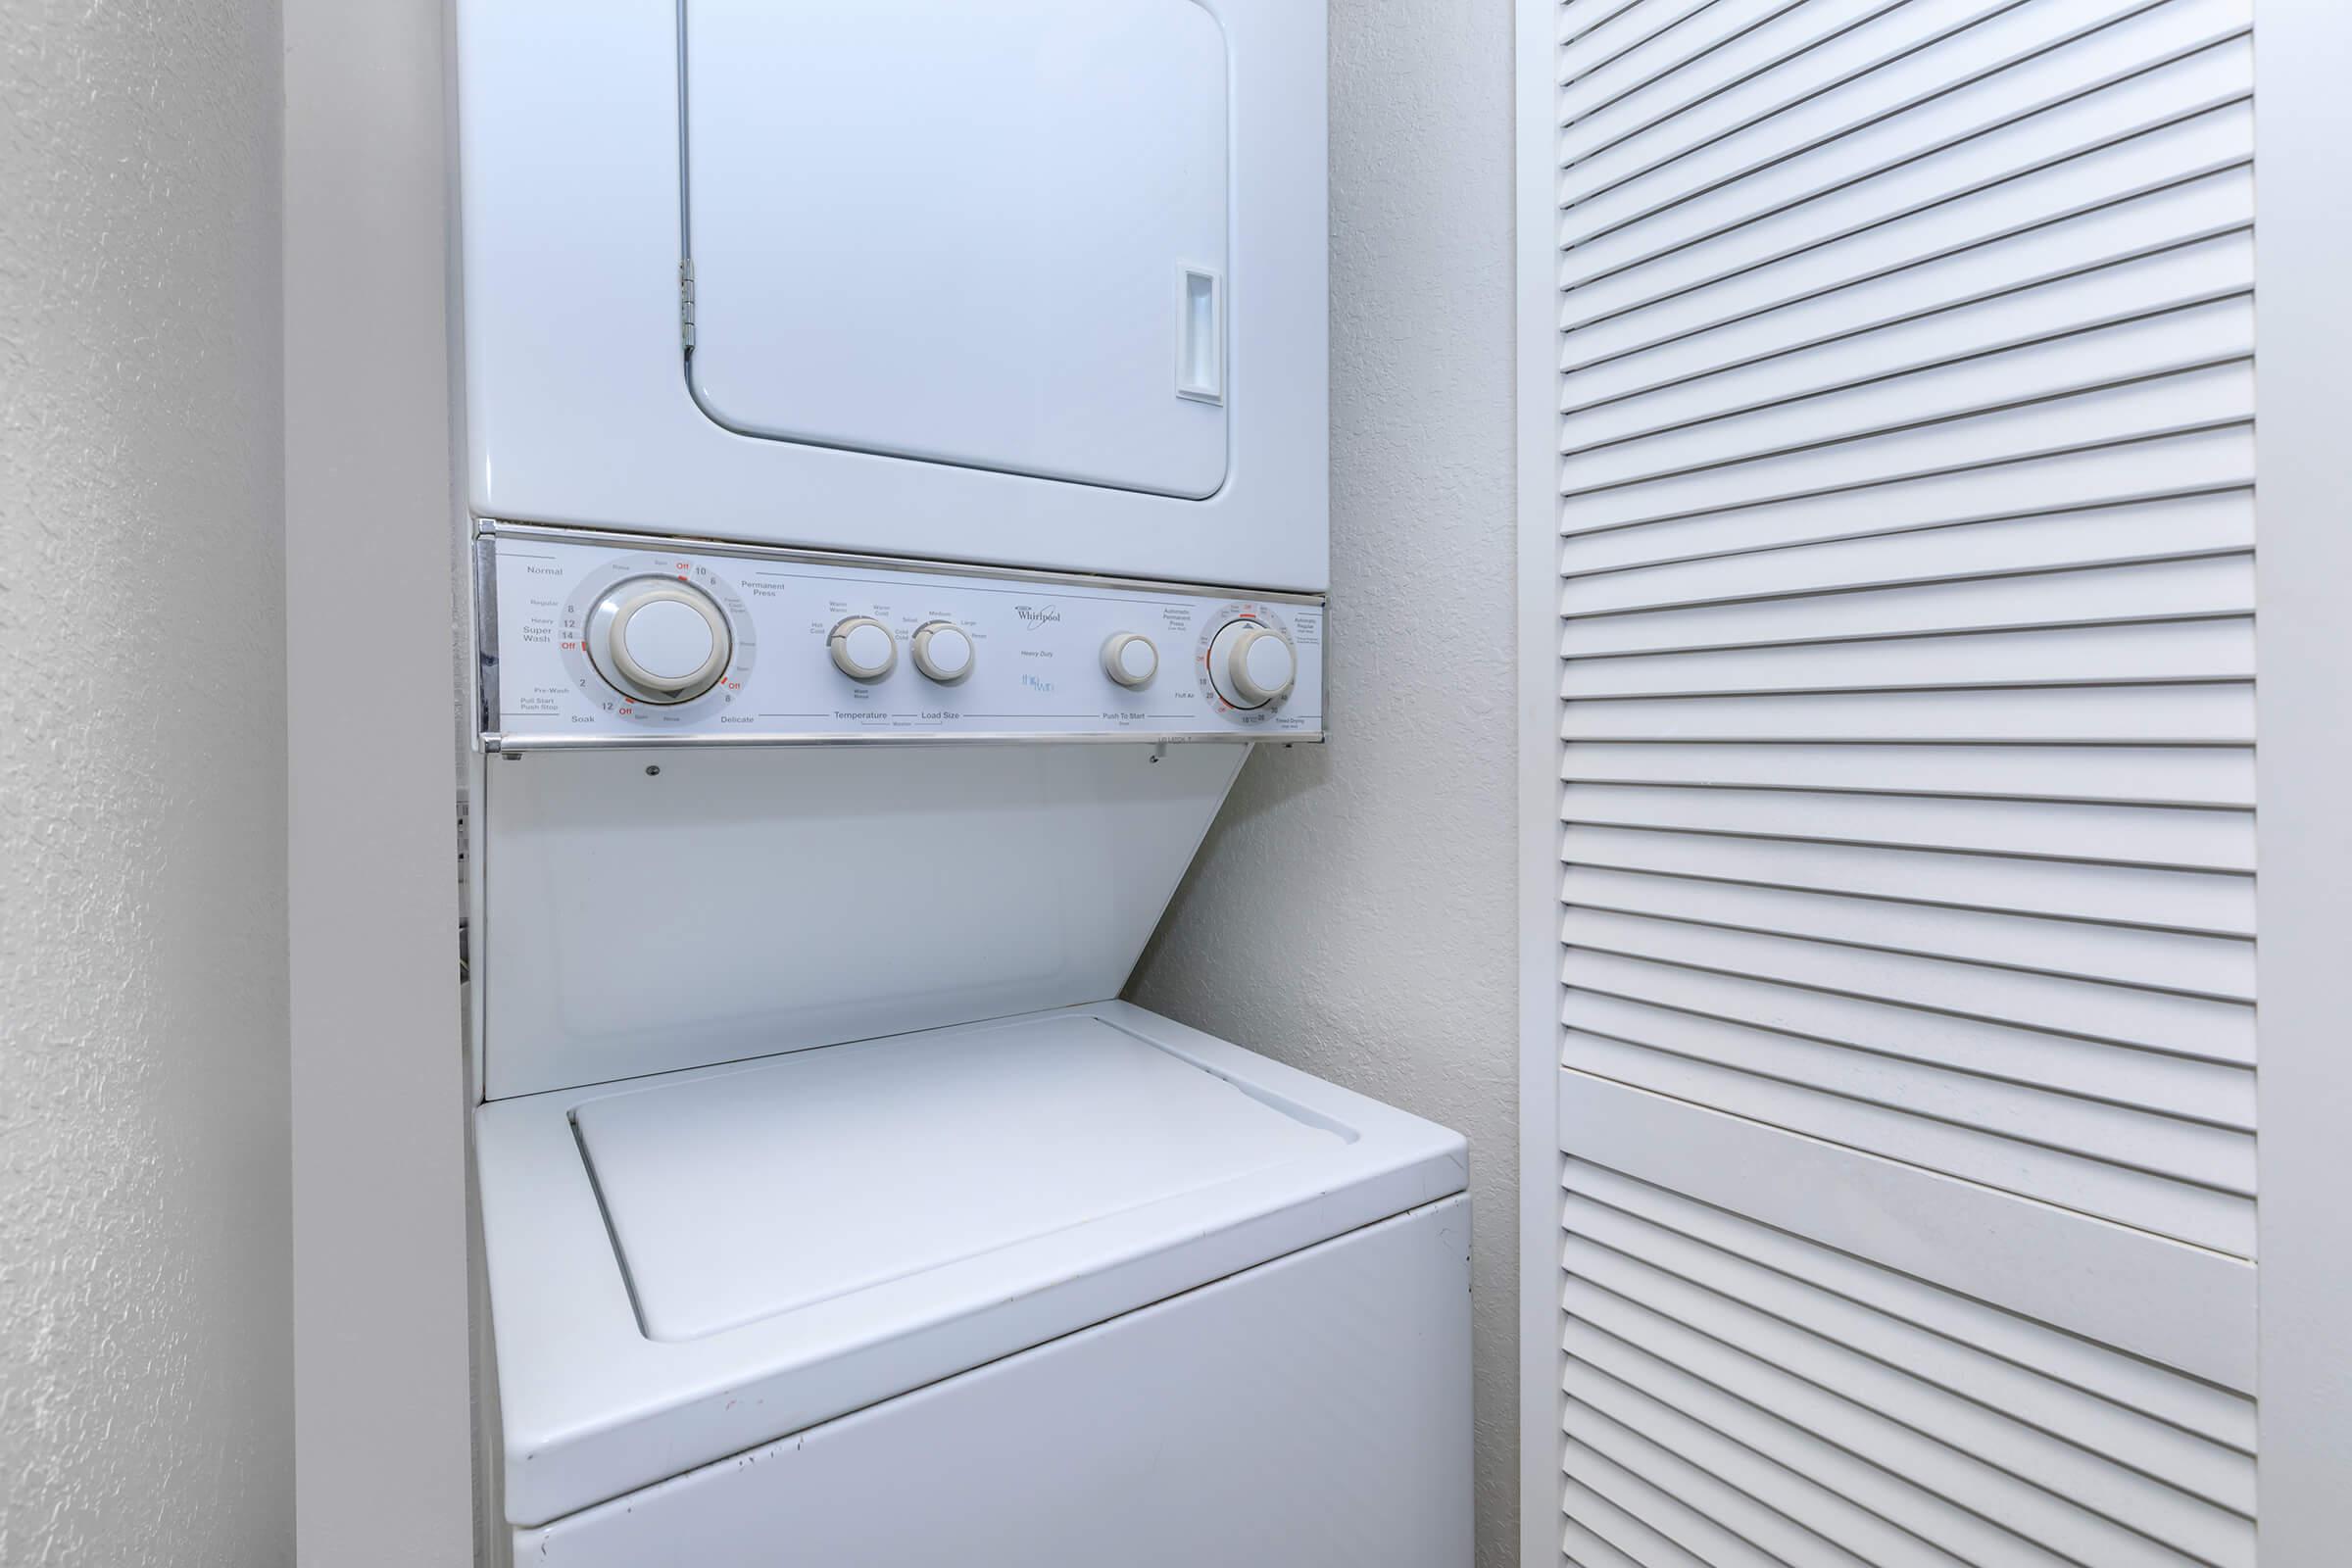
1033, 282
896, 475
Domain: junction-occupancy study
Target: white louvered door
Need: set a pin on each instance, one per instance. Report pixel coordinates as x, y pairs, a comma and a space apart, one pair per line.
1902, 1202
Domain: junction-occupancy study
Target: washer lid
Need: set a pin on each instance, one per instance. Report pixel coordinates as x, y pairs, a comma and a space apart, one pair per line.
684, 1267
738, 1196
991, 235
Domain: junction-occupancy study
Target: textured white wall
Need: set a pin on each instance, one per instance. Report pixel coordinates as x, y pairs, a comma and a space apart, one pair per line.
1352, 912
145, 1388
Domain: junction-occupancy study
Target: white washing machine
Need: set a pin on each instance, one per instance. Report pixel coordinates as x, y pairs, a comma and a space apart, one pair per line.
1074, 1288
897, 476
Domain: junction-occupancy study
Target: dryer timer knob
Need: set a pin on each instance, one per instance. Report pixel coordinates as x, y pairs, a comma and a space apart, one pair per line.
1251, 663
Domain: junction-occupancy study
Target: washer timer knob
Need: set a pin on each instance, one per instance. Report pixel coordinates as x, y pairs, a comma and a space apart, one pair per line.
656, 640
1251, 663
942, 652
864, 649
1129, 658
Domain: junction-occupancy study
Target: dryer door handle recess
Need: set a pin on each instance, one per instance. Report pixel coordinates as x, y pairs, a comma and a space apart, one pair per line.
1199, 335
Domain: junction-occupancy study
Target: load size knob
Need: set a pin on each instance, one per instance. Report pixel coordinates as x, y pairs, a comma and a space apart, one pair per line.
1251, 663
864, 649
942, 652
656, 640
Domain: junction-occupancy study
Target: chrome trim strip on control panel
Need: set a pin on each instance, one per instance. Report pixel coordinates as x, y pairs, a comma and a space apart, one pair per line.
515, 745
487, 529
485, 633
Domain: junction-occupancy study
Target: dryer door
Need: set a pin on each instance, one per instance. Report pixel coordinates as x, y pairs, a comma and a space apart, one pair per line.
990, 234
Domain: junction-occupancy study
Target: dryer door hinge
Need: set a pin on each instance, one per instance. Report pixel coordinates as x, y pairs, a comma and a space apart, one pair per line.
686, 302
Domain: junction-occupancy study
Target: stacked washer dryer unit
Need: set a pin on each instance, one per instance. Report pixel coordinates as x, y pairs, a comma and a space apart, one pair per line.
897, 463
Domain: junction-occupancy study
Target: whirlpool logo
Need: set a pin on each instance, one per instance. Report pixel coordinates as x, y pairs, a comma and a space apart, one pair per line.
1036, 616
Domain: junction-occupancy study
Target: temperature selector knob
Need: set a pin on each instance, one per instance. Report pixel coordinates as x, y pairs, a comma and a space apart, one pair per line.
942, 652
1251, 663
864, 649
657, 640
1130, 658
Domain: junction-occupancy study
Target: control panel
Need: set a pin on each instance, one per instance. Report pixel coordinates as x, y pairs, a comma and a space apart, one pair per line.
618, 639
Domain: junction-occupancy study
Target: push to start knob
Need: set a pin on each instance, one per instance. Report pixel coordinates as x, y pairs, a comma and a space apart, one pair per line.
1129, 658
1251, 663
658, 641
864, 649
942, 652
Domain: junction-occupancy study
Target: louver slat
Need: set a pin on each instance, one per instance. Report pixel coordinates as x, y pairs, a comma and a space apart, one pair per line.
1906, 682
2111, 835
2196, 1027
2111, 82
1763, 1532
2163, 961
1773, 264
2185, 1461
2208, 776
2197, 539
2094, 1072
1889, 382
1746, 1358
1834, 1529
2170, 1400
1734, 327
1749, 223
2065, 655
1704, 47
2194, 397
1671, 1513
2130, 897
1858, 1478
2189, 713
1886, 71
2208, 460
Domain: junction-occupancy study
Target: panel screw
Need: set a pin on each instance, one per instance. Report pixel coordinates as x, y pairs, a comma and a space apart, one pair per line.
652, 769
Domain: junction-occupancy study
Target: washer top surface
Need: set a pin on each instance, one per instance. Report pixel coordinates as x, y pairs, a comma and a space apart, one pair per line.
685, 1266
813, 1175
